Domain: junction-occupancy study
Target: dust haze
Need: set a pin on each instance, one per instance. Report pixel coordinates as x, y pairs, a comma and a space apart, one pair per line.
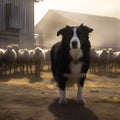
106, 32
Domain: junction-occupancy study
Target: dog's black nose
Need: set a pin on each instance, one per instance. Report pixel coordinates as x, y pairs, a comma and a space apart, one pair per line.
74, 44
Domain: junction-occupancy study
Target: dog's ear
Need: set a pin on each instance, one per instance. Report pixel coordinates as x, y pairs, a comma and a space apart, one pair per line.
62, 31
86, 28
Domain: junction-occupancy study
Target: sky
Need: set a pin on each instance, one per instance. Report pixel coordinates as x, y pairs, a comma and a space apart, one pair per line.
109, 8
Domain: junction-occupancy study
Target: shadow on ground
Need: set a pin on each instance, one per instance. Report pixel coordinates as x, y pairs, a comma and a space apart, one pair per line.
32, 77
71, 111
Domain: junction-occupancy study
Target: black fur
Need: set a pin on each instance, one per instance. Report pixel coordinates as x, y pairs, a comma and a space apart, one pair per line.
60, 58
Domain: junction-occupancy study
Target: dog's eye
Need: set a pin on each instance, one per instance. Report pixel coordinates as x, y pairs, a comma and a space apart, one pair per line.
70, 34
79, 35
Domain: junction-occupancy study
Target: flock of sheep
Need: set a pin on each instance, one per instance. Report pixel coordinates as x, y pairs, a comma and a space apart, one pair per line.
105, 60
13, 59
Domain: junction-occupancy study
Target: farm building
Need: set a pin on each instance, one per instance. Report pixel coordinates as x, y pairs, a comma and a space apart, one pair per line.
17, 22
106, 32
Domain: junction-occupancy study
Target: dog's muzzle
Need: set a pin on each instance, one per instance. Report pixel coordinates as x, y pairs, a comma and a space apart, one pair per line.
76, 54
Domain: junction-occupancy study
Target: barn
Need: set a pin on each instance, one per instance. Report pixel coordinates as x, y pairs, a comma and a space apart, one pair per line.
106, 29
17, 22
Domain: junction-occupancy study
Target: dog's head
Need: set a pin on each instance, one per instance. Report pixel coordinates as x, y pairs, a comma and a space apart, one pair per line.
75, 39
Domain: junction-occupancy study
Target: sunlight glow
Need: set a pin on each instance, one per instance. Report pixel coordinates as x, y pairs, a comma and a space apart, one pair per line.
39, 11
95, 7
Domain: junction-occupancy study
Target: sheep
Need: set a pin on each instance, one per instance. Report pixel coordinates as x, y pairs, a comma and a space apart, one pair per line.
116, 60
25, 60
102, 60
16, 48
1, 58
47, 58
38, 59
31, 58
10, 57
94, 60
111, 58
20, 61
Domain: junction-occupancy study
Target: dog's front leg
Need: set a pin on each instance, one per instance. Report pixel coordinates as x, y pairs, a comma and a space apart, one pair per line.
80, 98
63, 99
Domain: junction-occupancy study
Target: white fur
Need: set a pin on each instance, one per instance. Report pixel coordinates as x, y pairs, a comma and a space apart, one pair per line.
76, 54
75, 73
80, 98
62, 97
75, 38
75, 68
79, 95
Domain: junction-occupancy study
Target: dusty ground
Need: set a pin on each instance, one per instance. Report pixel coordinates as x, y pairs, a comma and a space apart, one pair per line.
26, 97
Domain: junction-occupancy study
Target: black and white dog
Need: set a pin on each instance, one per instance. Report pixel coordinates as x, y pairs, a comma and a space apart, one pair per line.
70, 59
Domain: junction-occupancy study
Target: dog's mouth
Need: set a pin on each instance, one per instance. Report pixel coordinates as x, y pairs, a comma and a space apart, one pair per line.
76, 54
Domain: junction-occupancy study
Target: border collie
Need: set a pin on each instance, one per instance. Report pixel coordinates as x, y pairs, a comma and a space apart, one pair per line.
70, 59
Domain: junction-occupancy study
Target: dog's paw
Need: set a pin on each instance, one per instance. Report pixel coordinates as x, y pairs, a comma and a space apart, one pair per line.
62, 101
82, 101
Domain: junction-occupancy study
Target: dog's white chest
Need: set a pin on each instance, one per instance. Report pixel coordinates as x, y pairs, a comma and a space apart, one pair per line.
75, 73
75, 68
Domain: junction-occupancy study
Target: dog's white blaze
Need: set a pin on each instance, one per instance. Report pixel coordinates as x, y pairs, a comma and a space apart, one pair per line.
75, 38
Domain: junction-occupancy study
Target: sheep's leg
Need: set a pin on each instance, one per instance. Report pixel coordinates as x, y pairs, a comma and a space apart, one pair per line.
31, 69
27, 69
15, 68
24, 68
39, 70
10, 69
35, 70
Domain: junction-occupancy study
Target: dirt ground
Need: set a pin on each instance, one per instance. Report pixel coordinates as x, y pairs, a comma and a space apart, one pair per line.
27, 97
